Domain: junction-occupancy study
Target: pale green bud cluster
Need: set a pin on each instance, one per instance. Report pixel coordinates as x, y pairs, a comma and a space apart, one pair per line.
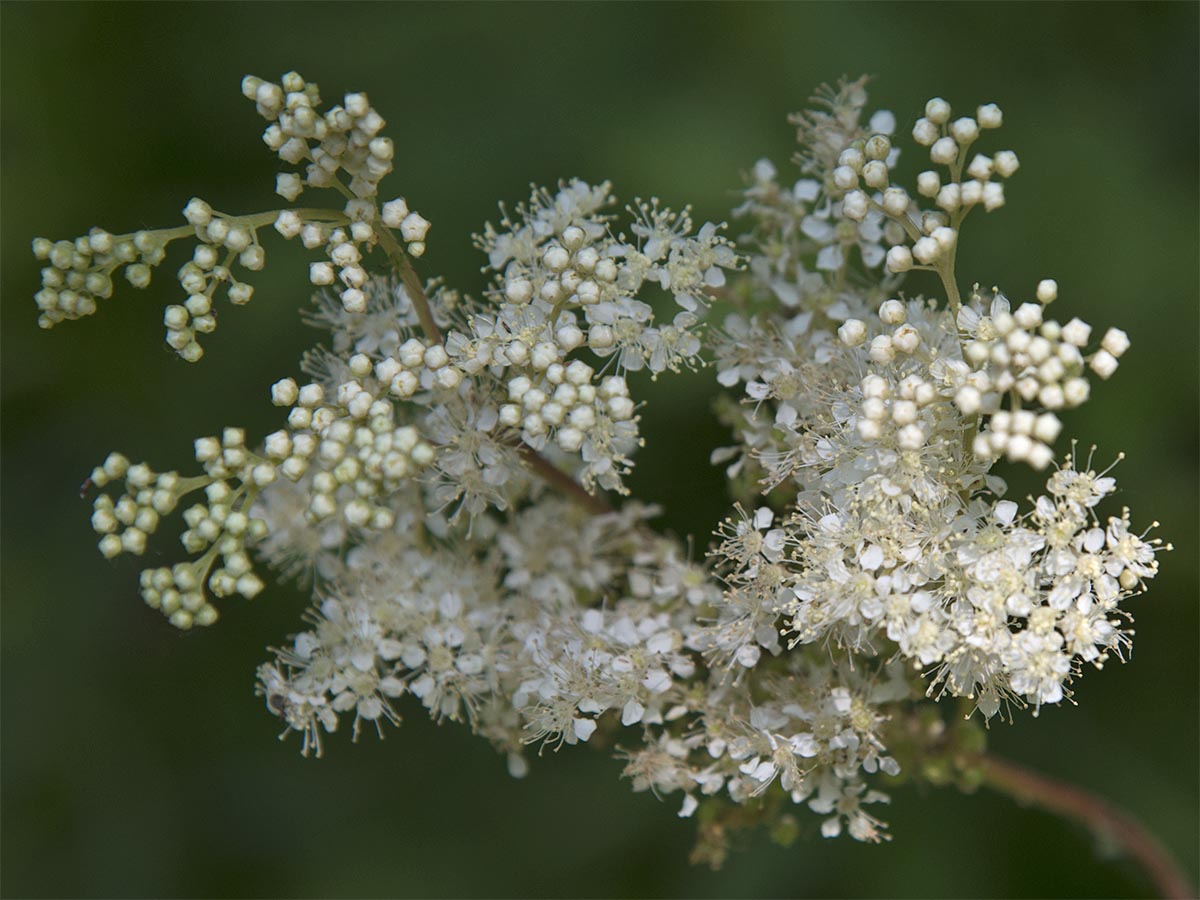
80, 272
126, 522
344, 139
220, 527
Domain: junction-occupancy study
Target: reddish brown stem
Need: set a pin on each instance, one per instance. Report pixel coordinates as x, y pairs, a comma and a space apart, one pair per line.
564, 482
1097, 814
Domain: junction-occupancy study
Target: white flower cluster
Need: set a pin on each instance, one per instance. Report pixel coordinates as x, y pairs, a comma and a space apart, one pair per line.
427, 398
464, 628
565, 285
803, 230
997, 606
556, 624
810, 729
436, 476
877, 432
559, 260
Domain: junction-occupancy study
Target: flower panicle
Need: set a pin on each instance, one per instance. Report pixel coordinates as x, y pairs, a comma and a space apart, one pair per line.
437, 472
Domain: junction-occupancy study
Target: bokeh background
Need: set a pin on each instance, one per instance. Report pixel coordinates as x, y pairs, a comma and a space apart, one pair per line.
136, 760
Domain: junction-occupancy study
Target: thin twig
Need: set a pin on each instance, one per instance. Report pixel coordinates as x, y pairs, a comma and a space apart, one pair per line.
416, 293
412, 284
1097, 814
594, 503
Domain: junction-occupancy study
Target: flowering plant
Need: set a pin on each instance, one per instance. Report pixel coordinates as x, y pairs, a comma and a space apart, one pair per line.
439, 474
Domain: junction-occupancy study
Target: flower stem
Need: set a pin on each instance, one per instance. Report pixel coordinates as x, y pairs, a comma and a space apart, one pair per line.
1098, 815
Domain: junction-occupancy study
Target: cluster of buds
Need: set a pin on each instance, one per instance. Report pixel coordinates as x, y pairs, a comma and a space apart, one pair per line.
223, 525
566, 403
343, 247
1013, 354
221, 240
126, 522
412, 225
220, 527
887, 407
897, 408
1033, 361
360, 454
572, 273
176, 591
416, 364
884, 347
345, 139
80, 272
864, 175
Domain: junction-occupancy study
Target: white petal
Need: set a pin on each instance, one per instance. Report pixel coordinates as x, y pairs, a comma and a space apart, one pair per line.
583, 728
1006, 511
632, 713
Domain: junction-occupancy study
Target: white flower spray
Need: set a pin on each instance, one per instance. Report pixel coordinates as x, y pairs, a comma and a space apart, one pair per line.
437, 474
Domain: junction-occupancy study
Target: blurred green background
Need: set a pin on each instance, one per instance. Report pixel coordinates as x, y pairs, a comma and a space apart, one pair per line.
136, 760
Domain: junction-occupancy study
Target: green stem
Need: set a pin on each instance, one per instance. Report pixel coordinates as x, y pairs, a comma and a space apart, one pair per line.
253, 221
307, 213
946, 273
904, 221
412, 284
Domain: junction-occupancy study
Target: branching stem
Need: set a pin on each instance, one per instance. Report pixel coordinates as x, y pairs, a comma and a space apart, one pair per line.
538, 463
